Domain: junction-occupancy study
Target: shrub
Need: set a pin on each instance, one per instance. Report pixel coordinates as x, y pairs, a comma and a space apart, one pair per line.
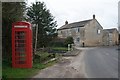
58, 42
68, 40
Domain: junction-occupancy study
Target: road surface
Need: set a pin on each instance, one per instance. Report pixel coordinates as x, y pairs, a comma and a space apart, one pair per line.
96, 62
101, 62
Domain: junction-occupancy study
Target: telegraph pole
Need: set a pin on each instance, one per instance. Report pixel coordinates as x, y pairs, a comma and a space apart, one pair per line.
36, 33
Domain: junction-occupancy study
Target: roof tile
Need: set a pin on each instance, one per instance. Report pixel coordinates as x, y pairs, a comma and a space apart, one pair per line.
75, 24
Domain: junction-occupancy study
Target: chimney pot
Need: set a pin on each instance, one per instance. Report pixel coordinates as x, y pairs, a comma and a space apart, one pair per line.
93, 16
66, 22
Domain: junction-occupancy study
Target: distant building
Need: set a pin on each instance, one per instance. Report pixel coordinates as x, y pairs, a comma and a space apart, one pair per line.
110, 37
105, 38
87, 32
119, 16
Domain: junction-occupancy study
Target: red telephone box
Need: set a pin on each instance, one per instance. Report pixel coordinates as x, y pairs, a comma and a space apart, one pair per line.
21, 45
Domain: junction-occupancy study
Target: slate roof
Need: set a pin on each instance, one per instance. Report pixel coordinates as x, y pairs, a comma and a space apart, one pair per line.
75, 24
110, 30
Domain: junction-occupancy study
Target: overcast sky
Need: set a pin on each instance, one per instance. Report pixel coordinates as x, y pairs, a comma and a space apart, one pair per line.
106, 11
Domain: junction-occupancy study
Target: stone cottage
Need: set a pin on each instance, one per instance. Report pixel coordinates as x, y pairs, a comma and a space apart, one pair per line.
111, 37
87, 32
105, 38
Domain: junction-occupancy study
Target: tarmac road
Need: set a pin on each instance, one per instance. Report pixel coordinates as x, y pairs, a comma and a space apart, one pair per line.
101, 62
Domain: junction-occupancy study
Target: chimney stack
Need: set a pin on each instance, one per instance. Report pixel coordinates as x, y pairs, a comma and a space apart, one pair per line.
93, 16
66, 22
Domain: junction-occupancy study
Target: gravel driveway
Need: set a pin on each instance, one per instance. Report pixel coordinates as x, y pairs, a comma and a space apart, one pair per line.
68, 67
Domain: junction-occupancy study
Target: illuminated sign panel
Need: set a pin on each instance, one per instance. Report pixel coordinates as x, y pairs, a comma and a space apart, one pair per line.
20, 26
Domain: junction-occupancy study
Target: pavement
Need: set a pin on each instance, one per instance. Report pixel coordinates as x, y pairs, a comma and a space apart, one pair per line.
92, 62
74, 52
67, 67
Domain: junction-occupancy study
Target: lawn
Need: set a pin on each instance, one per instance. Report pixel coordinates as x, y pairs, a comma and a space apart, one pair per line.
9, 72
41, 57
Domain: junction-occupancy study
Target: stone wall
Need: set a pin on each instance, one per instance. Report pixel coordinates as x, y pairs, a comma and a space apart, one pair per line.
93, 34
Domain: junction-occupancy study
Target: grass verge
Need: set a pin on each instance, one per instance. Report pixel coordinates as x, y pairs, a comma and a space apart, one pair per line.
9, 72
60, 48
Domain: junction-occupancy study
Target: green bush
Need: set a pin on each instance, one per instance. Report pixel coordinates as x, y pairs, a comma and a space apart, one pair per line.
41, 57
56, 44
68, 40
